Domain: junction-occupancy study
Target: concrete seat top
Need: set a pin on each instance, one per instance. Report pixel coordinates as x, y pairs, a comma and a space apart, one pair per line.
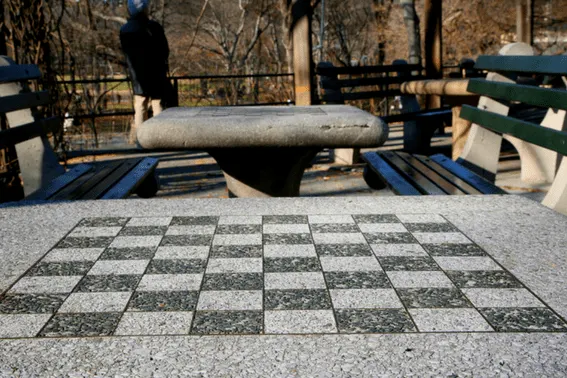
351, 286
263, 126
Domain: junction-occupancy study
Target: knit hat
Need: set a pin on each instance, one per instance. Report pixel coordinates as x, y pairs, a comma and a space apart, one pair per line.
137, 6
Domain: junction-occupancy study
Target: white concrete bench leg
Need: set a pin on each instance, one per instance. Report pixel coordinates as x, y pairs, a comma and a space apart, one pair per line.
556, 198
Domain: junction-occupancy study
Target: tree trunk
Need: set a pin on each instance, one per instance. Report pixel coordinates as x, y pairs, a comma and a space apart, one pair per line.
411, 20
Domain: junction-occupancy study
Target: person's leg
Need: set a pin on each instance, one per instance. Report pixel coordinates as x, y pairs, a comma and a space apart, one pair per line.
140, 115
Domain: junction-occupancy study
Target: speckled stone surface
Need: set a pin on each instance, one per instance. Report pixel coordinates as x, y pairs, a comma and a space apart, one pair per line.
442, 329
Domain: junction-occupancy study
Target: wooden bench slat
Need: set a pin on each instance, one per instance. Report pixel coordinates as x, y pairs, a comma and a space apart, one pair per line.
15, 135
411, 174
551, 65
60, 182
471, 178
544, 97
456, 180
20, 72
131, 181
124, 167
529, 132
393, 179
333, 71
86, 182
432, 175
24, 101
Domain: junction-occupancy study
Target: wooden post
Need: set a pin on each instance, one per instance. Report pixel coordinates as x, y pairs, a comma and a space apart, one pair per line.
524, 21
433, 46
301, 12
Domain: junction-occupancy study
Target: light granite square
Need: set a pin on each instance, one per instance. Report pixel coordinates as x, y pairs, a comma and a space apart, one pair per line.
22, 325
421, 218
423, 279
136, 241
365, 298
119, 267
96, 302
287, 250
235, 265
350, 264
238, 239
82, 232
449, 320
182, 252
170, 282
204, 229
502, 298
302, 280
149, 221
401, 250
230, 300
441, 237
314, 219
299, 321
382, 227
155, 323
73, 254
270, 228
466, 263
49, 284
240, 219
339, 238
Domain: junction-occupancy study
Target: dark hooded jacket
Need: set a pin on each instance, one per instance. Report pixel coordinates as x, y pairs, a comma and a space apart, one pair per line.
144, 43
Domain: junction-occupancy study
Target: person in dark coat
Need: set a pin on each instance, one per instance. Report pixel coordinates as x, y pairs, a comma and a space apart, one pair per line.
145, 46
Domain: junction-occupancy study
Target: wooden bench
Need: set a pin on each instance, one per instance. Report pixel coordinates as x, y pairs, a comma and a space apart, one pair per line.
42, 175
492, 119
342, 84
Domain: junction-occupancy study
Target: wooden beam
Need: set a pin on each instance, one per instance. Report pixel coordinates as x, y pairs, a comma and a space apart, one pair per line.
524, 21
433, 45
301, 12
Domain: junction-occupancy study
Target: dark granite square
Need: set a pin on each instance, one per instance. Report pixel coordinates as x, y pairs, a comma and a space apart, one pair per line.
448, 249
390, 238
94, 242
284, 219
227, 322
163, 301
239, 229
103, 222
86, 324
233, 281
430, 227
65, 268
334, 227
481, 278
523, 320
143, 231
193, 221
108, 283
374, 321
128, 253
291, 264
181, 240
343, 250
178, 266
357, 280
315, 299
235, 251
288, 239
391, 263
433, 298
31, 303
376, 218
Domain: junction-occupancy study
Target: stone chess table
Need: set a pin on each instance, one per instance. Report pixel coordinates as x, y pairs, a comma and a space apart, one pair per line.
336, 286
263, 150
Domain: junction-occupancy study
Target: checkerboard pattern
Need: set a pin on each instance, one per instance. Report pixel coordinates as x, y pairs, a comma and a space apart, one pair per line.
288, 274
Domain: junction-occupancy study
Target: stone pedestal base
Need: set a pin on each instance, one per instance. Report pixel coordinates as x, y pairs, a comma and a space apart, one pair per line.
263, 172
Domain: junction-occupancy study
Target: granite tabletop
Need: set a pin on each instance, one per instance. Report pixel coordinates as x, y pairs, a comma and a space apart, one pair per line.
392, 286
